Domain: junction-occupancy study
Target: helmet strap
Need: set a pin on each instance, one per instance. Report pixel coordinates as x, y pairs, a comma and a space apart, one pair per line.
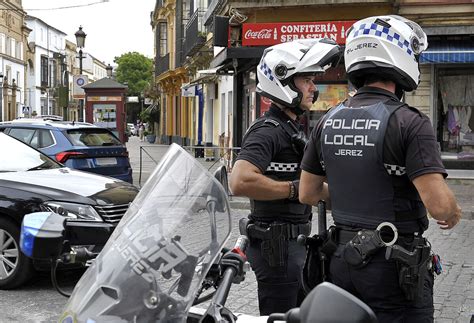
399, 92
298, 111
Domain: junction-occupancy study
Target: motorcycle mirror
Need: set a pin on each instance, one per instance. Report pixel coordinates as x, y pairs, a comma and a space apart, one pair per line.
221, 175
215, 203
330, 303
42, 235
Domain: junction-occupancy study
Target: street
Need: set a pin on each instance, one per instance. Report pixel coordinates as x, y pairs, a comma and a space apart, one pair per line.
454, 289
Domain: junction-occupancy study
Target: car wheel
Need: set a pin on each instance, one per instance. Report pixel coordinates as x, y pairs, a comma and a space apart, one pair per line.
15, 267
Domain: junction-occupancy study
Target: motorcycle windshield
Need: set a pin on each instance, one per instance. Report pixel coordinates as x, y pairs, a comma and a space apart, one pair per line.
156, 259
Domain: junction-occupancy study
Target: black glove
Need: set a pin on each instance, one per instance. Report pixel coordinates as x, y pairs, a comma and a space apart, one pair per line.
298, 141
235, 260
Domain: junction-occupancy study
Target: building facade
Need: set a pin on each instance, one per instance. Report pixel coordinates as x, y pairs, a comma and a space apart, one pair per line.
48, 78
230, 36
13, 49
446, 92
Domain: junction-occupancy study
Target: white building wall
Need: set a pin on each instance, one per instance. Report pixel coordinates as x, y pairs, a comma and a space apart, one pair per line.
11, 68
48, 41
226, 95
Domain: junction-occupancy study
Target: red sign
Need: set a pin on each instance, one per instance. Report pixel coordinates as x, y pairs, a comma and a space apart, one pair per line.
267, 34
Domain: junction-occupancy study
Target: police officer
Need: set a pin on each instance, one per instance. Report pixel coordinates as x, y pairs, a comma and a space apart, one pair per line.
375, 159
267, 168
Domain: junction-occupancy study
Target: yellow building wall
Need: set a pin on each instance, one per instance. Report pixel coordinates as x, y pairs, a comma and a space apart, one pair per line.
421, 97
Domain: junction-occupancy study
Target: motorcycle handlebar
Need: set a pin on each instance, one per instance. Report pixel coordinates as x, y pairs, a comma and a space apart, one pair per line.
231, 272
241, 243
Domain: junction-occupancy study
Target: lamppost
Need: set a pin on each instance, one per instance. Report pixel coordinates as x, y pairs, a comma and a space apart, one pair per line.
80, 40
1, 97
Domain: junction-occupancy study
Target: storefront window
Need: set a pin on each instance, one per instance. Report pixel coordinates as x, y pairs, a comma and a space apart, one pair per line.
333, 88
455, 122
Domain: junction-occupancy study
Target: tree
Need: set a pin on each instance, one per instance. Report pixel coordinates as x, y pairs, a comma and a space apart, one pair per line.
136, 70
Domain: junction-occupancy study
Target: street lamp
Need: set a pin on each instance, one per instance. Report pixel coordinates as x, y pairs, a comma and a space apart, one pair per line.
80, 40
109, 71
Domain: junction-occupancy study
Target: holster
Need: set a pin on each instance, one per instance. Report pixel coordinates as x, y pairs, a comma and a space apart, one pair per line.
274, 239
413, 266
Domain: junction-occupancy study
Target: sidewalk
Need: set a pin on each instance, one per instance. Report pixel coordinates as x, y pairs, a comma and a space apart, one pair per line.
454, 288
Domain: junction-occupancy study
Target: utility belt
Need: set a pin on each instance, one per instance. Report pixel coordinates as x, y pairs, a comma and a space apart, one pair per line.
262, 208
412, 253
274, 237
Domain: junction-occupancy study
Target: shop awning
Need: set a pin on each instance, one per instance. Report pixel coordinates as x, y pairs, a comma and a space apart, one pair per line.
211, 71
449, 51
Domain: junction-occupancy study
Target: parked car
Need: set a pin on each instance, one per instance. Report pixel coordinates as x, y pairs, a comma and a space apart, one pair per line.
78, 145
31, 182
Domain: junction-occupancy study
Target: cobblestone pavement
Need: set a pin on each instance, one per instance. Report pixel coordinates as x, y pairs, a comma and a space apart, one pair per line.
454, 289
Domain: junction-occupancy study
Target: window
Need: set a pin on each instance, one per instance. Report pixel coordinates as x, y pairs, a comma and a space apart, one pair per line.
44, 71
53, 73
41, 139
92, 137
455, 119
2, 44
163, 39
22, 134
12, 47
19, 50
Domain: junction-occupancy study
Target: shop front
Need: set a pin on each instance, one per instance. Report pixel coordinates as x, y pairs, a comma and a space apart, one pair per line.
255, 37
452, 60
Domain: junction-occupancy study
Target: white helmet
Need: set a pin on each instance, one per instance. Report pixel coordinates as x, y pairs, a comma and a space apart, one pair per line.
281, 63
386, 46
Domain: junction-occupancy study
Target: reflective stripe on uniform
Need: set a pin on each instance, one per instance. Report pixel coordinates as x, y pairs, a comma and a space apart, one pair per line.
395, 169
282, 167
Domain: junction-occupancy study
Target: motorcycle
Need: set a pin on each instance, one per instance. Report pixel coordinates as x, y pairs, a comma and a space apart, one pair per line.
168, 255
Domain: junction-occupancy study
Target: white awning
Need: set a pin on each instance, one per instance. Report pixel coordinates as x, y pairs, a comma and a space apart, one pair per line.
211, 71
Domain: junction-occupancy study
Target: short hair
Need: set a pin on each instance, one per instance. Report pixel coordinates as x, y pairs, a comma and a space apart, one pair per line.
372, 78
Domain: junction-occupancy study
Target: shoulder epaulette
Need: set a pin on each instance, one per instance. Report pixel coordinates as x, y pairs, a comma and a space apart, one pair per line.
273, 122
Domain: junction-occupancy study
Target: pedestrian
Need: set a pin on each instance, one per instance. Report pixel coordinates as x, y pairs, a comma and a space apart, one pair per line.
141, 131
267, 168
375, 161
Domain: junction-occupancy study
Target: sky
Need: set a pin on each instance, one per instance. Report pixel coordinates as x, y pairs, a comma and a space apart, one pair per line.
113, 27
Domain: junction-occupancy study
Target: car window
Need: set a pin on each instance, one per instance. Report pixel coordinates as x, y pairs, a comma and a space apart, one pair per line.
92, 137
21, 157
45, 138
42, 138
22, 134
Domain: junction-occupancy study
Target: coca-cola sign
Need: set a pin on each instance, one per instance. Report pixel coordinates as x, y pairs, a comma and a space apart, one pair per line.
267, 34
260, 34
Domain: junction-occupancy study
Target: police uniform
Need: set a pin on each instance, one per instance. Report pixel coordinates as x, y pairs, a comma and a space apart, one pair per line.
370, 148
274, 254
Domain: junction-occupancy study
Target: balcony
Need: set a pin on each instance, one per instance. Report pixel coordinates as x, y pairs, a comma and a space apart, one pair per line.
194, 33
162, 64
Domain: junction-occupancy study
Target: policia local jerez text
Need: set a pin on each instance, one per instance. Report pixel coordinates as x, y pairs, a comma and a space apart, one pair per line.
350, 139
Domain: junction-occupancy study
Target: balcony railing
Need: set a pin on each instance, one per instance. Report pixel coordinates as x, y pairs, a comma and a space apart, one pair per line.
195, 35
162, 64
